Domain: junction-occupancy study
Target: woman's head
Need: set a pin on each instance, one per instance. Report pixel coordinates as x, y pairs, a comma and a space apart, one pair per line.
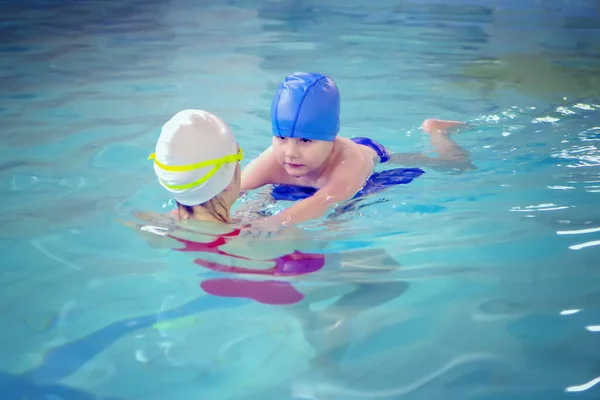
197, 161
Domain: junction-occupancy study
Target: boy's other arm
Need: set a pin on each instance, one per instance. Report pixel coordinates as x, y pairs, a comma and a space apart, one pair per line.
345, 181
260, 171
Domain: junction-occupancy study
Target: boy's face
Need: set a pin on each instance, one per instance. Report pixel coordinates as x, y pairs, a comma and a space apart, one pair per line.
300, 157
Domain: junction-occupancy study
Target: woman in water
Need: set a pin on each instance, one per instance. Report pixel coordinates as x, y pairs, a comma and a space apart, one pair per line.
197, 160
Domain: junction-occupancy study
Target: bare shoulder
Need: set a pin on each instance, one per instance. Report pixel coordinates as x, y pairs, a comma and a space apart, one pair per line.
353, 156
367, 152
168, 218
351, 165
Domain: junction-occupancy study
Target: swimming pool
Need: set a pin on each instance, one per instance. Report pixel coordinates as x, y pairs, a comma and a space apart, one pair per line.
497, 295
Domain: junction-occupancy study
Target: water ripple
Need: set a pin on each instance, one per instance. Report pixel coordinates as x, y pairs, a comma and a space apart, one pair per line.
478, 284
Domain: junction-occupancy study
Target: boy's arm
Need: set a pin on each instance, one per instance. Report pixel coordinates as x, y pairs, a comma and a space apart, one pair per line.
256, 208
345, 181
260, 171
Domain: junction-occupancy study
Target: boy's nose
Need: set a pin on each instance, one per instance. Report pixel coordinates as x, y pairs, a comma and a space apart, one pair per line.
291, 150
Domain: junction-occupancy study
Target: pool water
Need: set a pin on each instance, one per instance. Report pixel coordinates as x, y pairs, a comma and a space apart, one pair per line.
497, 293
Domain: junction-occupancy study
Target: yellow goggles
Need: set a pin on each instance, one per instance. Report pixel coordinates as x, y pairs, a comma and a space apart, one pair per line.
216, 164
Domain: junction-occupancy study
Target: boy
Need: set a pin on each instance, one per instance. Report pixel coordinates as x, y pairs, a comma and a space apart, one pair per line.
306, 150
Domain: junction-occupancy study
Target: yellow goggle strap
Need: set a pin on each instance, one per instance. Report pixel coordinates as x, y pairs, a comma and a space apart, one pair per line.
216, 164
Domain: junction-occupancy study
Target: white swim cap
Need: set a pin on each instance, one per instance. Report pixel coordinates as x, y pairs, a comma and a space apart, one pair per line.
196, 156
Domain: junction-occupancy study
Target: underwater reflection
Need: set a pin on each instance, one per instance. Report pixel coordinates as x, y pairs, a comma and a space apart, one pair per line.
294, 273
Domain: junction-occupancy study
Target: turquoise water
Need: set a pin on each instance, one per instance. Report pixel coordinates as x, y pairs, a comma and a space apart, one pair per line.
497, 295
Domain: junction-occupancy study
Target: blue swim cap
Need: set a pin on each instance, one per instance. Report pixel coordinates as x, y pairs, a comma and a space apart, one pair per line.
306, 106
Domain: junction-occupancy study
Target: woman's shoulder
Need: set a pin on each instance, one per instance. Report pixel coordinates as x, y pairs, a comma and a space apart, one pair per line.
167, 220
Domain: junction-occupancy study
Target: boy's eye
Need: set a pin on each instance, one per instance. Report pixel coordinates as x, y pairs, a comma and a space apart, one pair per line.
280, 138
306, 140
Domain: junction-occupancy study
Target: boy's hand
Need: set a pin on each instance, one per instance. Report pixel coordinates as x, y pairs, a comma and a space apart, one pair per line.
264, 228
272, 227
